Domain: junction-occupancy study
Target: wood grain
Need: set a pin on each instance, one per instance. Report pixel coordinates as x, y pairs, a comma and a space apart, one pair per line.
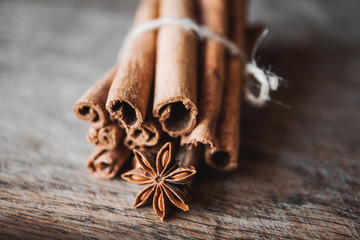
299, 167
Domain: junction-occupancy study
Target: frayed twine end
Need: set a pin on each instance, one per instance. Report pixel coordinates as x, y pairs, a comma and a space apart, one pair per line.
267, 80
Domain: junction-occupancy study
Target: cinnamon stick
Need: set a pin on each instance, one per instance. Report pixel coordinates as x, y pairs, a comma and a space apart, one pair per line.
147, 135
130, 92
193, 156
91, 105
176, 71
107, 163
214, 15
228, 130
107, 137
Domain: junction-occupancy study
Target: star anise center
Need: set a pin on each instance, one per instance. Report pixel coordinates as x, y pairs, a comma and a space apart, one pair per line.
158, 180
165, 181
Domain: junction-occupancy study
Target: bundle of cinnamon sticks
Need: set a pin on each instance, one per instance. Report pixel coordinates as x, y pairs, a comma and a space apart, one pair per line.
169, 92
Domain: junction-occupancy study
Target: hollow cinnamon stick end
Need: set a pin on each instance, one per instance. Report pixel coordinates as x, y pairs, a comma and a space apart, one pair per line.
92, 136
110, 136
222, 160
105, 163
130, 143
125, 112
87, 111
154, 133
177, 117
201, 135
148, 135
107, 137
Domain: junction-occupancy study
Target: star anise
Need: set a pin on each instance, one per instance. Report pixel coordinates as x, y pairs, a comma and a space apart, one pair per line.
165, 180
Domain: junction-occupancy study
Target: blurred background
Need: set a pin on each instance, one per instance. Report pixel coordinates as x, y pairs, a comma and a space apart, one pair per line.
299, 20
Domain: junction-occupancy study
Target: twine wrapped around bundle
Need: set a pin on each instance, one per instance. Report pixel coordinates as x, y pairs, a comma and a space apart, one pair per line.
267, 80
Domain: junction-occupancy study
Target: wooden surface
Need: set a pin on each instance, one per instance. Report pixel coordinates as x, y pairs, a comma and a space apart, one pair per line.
300, 166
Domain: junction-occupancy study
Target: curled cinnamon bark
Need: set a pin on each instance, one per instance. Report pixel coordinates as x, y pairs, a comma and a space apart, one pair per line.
91, 105
176, 71
147, 135
107, 163
107, 137
225, 158
130, 92
214, 15
131, 144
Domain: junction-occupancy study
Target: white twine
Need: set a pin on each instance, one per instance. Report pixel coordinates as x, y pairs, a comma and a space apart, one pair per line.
267, 80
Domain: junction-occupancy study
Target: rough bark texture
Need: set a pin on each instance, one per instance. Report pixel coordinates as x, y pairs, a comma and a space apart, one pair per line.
176, 71
298, 177
130, 92
214, 16
225, 158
